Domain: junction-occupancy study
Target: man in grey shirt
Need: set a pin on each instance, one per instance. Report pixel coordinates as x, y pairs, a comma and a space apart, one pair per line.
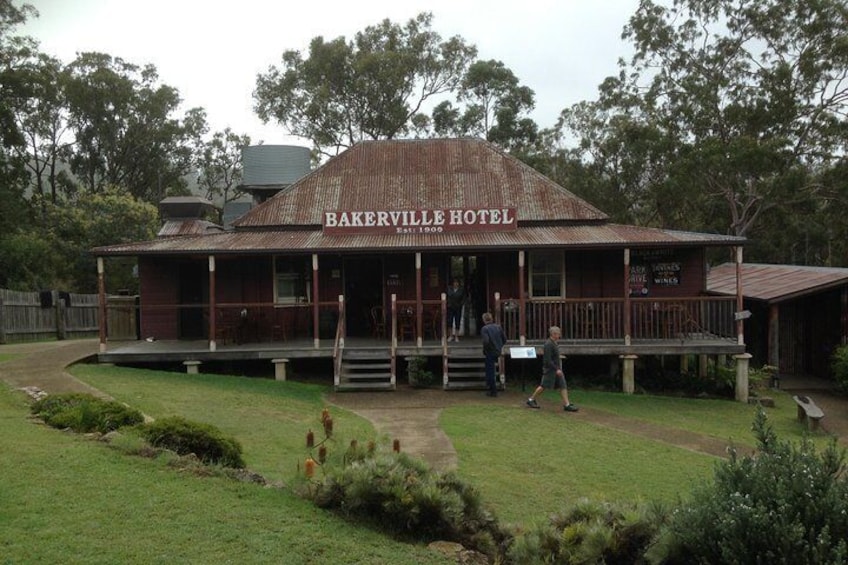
552, 375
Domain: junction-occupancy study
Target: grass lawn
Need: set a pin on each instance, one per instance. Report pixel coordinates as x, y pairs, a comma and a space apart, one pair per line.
68, 499
723, 419
529, 464
269, 418
93, 504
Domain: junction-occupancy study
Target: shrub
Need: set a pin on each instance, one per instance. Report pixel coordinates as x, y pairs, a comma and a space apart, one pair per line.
207, 442
417, 373
784, 504
839, 365
403, 496
591, 532
85, 413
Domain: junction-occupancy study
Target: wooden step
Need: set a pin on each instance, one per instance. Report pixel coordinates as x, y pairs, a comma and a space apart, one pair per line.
466, 355
387, 366
386, 386
465, 365
367, 354
362, 376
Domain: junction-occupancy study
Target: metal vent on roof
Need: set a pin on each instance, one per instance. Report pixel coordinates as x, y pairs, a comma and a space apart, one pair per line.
274, 164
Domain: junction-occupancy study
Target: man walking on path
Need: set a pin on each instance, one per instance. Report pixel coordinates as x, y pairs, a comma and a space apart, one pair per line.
552, 375
493, 343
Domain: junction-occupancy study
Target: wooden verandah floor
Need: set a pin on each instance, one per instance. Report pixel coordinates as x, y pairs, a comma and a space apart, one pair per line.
198, 350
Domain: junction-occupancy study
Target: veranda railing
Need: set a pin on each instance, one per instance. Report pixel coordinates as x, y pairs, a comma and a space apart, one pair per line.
603, 319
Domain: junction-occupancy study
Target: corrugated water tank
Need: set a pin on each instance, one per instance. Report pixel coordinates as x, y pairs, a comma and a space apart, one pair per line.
274, 164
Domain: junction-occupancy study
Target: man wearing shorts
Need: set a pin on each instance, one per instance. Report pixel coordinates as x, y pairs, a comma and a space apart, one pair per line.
552, 375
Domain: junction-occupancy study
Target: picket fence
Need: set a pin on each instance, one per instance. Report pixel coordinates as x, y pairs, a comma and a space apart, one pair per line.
50, 314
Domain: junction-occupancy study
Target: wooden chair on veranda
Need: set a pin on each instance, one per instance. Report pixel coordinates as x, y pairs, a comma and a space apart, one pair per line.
378, 322
406, 323
432, 321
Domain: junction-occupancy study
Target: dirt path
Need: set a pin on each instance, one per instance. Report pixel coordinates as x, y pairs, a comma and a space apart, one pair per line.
43, 365
410, 415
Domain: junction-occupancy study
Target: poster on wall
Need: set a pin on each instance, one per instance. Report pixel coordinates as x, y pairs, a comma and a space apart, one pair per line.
666, 273
638, 280
433, 277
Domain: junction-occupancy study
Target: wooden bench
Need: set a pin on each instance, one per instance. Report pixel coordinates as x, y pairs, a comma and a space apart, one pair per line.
808, 411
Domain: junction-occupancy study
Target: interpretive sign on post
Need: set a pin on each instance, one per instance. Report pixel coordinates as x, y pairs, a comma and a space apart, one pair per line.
522, 353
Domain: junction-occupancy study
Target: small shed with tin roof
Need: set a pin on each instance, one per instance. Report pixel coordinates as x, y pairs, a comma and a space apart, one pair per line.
799, 313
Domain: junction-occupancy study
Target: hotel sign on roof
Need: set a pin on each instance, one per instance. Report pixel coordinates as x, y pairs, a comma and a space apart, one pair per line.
419, 221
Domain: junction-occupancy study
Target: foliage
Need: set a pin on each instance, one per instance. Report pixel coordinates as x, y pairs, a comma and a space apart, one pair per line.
839, 366
14, 86
219, 165
28, 260
124, 130
591, 532
85, 413
109, 217
372, 87
41, 116
655, 377
747, 98
762, 377
207, 442
403, 496
417, 372
496, 108
785, 504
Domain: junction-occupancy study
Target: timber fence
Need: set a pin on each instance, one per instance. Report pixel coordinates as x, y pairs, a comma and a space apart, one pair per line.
49, 314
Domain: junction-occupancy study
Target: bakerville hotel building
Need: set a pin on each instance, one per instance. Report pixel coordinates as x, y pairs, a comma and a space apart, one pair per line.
350, 264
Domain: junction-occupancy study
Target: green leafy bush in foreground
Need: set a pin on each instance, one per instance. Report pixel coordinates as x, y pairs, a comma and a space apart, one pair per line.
591, 532
785, 504
207, 442
401, 495
839, 366
85, 413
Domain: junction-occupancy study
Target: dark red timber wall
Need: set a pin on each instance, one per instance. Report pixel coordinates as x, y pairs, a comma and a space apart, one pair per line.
502, 276
329, 277
158, 281
433, 276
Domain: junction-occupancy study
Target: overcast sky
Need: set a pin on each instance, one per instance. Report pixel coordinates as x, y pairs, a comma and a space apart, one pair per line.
211, 51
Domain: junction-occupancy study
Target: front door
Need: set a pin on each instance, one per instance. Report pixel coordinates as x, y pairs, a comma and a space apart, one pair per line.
194, 283
471, 269
363, 280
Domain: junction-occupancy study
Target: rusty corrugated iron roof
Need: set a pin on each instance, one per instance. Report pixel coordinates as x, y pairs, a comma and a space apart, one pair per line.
314, 240
774, 283
187, 227
421, 173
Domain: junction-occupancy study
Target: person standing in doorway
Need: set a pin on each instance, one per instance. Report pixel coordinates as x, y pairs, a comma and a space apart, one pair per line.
552, 375
455, 300
494, 340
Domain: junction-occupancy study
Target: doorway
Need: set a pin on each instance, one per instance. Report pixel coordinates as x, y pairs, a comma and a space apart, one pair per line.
363, 289
194, 283
471, 269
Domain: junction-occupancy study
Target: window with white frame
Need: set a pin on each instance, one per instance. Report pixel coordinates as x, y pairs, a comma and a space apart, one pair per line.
291, 280
547, 273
